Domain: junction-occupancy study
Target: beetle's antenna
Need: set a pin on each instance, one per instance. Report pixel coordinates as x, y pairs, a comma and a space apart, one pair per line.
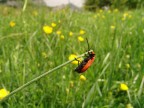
88, 44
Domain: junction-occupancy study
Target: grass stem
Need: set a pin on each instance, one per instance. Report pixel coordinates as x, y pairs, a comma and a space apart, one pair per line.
24, 6
39, 77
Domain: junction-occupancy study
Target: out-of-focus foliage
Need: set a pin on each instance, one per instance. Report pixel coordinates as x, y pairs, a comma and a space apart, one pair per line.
3, 1
92, 5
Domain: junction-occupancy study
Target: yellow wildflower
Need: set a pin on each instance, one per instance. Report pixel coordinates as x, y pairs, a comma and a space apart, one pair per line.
44, 55
82, 32
125, 15
95, 16
123, 18
73, 56
53, 24
103, 16
67, 90
38, 64
127, 66
80, 38
109, 11
59, 21
58, 32
64, 77
35, 13
123, 87
98, 14
138, 65
127, 56
47, 29
82, 78
129, 106
112, 27
70, 33
3, 93
62, 36
100, 10
12, 24
71, 84
142, 18
130, 16
116, 10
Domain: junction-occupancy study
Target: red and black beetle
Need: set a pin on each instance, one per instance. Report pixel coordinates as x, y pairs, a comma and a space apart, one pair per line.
87, 62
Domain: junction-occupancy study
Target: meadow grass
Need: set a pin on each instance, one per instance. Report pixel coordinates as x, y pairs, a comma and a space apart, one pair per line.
26, 52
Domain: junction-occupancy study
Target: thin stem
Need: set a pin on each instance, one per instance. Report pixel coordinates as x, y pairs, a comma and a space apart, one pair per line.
39, 77
24, 6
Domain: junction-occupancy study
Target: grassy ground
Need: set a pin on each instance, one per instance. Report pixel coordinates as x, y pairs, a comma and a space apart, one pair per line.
26, 52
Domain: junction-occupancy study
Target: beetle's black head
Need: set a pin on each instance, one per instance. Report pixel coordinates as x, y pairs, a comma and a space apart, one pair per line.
91, 54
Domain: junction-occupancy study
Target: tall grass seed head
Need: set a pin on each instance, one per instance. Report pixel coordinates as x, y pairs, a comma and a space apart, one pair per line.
3, 93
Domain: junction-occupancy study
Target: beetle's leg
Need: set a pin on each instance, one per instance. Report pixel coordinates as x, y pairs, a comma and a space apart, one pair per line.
78, 61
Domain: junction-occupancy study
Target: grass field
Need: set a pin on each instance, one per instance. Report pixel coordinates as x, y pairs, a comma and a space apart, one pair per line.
27, 51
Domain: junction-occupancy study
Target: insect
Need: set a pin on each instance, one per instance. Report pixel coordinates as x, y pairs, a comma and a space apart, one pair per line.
87, 62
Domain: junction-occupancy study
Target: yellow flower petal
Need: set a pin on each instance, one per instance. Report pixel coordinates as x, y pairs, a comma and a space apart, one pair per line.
44, 55
70, 33
129, 106
125, 14
123, 87
112, 27
116, 10
73, 56
82, 78
82, 32
3, 93
58, 32
127, 66
12, 24
67, 90
80, 38
35, 13
53, 24
142, 18
47, 29
71, 84
62, 36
